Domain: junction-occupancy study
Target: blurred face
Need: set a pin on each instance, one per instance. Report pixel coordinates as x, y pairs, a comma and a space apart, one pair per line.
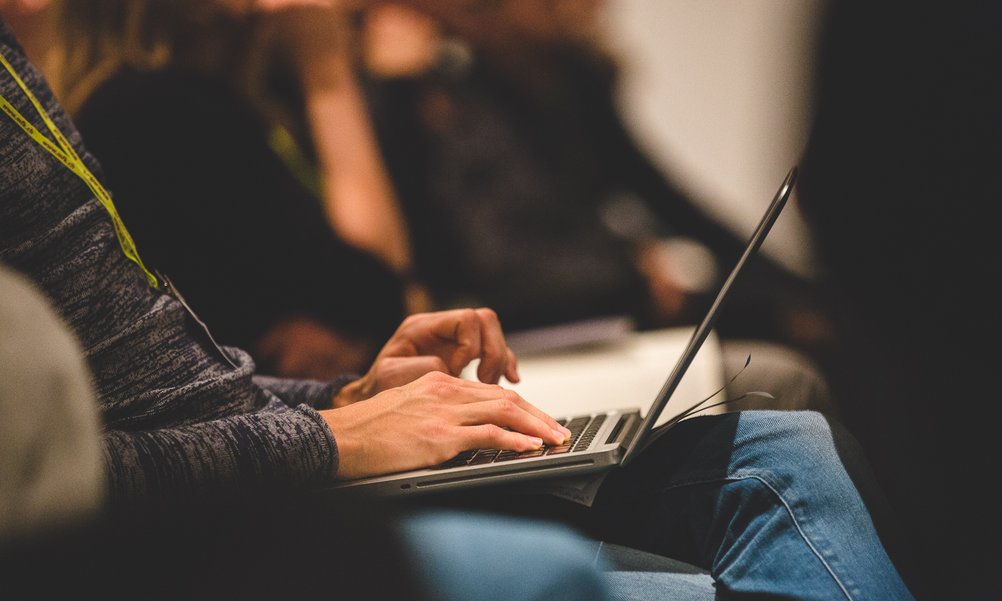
399, 41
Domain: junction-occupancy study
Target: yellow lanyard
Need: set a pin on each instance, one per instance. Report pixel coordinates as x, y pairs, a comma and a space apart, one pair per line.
64, 153
284, 145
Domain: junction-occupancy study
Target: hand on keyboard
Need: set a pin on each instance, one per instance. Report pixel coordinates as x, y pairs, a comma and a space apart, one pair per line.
582, 429
431, 420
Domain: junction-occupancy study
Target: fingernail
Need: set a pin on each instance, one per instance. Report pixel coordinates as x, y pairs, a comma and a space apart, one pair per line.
560, 435
566, 432
537, 442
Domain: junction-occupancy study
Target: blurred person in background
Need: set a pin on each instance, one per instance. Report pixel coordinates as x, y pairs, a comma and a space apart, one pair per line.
524, 189
226, 201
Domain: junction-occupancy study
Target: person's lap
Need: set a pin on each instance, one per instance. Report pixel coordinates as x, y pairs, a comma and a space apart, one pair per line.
771, 499
472, 555
756, 499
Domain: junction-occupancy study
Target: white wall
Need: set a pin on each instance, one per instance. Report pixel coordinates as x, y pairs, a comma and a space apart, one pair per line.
717, 91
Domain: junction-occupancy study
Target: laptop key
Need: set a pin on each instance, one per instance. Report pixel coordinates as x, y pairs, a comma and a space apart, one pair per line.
583, 430
589, 434
506, 456
485, 456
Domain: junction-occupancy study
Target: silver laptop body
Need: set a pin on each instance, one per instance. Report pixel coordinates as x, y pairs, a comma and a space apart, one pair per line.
599, 440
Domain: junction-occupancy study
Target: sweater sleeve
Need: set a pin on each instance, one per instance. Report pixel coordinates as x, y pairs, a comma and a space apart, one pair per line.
312, 393
276, 445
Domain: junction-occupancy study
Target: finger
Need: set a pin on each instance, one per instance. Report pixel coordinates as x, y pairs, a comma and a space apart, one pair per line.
466, 337
409, 334
458, 391
453, 335
477, 392
490, 436
508, 414
493, 349
511, 368
436, 326
536, 411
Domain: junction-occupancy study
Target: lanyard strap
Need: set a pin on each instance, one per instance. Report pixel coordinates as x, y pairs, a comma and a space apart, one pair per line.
64, 153
284, 145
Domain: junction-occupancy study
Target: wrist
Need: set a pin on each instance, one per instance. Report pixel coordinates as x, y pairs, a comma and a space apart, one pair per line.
347, 447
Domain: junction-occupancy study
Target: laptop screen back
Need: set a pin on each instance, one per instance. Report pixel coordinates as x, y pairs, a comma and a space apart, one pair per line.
703, 330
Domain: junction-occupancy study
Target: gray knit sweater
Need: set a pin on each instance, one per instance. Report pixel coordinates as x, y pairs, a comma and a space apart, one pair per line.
177, 419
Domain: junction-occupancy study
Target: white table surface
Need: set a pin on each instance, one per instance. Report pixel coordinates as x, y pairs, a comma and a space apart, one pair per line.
623, 373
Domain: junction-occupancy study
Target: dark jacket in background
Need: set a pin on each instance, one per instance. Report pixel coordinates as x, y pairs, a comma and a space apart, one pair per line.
902, 183
212, 206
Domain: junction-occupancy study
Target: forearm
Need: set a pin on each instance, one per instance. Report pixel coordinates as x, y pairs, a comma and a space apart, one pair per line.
360, 201
273, 446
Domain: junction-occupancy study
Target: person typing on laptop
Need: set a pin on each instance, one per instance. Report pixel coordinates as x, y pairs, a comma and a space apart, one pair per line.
764, 503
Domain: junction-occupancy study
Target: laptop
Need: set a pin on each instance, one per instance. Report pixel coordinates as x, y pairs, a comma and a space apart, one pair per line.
599, 440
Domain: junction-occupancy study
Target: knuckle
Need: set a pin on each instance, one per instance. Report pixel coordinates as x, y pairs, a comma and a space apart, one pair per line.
491, 433
466, 315
411, 319
437, 383
438, 377
511, 396
505, 406
488, 314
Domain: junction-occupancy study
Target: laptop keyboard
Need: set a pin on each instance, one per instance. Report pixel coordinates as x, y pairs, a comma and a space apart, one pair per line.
583, 430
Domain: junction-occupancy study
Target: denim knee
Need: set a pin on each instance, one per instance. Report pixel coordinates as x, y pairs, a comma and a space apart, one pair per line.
791, 442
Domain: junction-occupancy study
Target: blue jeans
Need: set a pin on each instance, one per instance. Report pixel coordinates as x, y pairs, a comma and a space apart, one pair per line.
750, 504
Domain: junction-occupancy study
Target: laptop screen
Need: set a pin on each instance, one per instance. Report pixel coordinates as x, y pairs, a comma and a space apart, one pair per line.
703, 330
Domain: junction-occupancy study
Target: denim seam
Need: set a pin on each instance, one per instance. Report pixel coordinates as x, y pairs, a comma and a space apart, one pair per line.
789, 512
